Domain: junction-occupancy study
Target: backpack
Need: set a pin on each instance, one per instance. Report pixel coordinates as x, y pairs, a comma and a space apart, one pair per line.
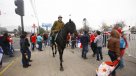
122, 43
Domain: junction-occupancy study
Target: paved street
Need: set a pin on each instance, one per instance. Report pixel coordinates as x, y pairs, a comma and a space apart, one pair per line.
45, 65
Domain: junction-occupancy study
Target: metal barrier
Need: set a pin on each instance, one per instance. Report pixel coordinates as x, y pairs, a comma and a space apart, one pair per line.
105, 38
131, 50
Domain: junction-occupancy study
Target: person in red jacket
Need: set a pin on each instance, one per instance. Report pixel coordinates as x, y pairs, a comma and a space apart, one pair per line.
93, 47
11, 43
33, 41
68, 39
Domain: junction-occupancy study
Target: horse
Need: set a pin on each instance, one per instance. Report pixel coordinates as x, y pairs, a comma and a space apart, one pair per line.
61, 39
54, 45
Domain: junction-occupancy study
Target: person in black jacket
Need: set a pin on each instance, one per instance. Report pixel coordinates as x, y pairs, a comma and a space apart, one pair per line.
84, 41
23, 49
28, 45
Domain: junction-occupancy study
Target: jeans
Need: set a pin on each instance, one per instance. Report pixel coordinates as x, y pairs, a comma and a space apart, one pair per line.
122, 63
73, 44
10, 52
93, 48
12, 48
113, 57
45, 42
48, 41
40, 45
33, 46
84, 51
25, 61
29, 54
99, 52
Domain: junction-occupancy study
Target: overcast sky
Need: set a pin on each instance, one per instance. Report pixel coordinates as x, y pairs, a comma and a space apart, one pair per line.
95, 11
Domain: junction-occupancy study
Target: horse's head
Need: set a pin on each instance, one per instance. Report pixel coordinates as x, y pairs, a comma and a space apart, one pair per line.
70, 26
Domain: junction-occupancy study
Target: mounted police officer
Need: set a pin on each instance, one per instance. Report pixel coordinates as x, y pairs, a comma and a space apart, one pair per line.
57, 26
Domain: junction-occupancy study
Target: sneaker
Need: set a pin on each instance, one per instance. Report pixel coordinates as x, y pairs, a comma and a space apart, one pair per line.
11, 56
40, 50
25, 66
30, 60
85, 58
97, 59
29, 65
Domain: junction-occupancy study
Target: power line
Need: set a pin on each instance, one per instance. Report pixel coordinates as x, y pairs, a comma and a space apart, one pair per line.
34, 10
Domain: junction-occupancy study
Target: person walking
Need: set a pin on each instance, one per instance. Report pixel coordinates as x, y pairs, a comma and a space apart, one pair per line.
92, 44
33, 41
11, 43
84, 41
114, 47
45, 39
99, 43
123, 46
39, 42
73, 41
68, 40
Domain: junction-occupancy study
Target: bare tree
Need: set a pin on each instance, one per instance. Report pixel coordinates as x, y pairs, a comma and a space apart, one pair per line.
105, 27
41, 30
133, 29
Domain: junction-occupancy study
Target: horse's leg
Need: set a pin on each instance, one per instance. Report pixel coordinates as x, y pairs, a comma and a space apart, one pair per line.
53, 50
60, 54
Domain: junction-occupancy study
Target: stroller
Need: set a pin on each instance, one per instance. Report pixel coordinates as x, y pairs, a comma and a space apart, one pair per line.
106, 68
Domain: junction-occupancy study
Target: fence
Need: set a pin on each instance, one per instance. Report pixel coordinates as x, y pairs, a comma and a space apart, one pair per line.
131, 50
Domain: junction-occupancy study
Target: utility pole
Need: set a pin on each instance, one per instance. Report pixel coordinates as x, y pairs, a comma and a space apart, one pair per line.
22, 24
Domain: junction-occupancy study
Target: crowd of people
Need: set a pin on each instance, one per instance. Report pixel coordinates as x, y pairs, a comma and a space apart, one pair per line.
6, 46
94, 40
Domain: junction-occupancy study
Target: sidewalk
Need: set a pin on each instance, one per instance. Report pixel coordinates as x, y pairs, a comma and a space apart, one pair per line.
45, 65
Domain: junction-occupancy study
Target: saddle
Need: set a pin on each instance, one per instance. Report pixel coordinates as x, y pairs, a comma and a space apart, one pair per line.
53, 37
